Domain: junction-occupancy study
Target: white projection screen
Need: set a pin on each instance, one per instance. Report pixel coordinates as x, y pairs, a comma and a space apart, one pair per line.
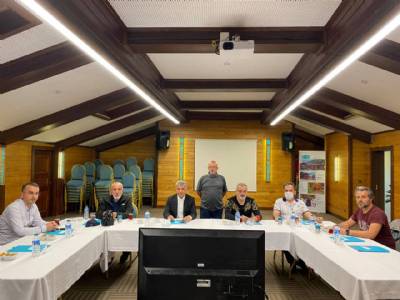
237, 161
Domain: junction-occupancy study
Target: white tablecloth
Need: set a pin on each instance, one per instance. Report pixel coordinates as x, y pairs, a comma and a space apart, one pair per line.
356, 275
53, 272
124, 236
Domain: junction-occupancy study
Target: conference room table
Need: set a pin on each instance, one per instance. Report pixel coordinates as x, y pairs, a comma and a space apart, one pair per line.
354, 274
49, 275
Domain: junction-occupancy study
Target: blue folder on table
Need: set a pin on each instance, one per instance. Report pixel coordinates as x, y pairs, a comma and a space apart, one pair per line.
307, 222
351, 239
25, 248
56, 232
177, 222
370, 249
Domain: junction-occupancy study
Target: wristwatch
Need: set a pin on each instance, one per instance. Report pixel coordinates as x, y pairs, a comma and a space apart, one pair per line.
347, 231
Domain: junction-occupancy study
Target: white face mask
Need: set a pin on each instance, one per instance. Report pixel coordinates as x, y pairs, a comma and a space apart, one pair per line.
289, 196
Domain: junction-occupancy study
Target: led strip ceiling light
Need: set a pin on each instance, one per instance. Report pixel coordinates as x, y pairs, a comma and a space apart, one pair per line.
45, 16
365, 47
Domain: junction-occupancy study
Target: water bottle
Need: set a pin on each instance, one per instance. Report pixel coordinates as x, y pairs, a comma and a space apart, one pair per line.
237, 217
147, 217
68, 229
86, 213
292, 219
336, 234
36, 245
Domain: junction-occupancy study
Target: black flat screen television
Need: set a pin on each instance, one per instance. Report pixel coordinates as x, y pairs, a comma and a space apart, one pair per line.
201, 264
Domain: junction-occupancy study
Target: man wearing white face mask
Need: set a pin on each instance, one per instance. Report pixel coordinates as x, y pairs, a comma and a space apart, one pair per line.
286, 206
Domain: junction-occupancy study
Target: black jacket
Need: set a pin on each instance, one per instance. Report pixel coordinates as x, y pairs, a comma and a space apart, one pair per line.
125, 207
171, 207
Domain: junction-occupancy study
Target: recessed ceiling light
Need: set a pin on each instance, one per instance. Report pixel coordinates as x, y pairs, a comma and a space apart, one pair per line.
47, 17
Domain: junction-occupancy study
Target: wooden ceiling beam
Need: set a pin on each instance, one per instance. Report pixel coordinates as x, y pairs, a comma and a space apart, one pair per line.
325, 108
199, 40
326, 122
385, 55
40, 65
200, 115
308, 137
99, 25
224, 104
360, 108
67, 115
127, 139
106, 129
226, 85
349, 26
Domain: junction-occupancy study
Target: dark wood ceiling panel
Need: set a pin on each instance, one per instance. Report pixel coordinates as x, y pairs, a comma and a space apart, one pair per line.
106, 129
225, 104
385, 55
14, 19
253, 85
349, 26
325, 108
40, 65
98, 24
200, 115
67, 115
308, 136
127, 139
326, 122
360, 108
199, 40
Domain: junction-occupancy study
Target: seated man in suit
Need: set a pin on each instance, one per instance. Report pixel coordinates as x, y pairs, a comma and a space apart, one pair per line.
246, 206
180, 205
119, 204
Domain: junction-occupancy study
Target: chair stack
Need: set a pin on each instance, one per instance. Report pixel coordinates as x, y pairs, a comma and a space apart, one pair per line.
135, 169
129, 183
148, 179
90, 180
119, 171
103, 184
75, 187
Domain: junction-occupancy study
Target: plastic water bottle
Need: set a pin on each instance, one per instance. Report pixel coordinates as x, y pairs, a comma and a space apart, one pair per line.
292, 219
237, 217
36, 245
86, 213
336, 234
68, 229
147, 217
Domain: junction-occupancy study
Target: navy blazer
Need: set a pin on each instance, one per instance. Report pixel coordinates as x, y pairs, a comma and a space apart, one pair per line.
189, 207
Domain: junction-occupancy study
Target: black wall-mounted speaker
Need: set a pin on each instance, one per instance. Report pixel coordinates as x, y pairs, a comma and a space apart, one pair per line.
163, 137
288, 141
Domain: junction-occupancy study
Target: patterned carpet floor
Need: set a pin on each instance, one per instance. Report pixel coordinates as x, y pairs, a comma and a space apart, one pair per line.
122, 281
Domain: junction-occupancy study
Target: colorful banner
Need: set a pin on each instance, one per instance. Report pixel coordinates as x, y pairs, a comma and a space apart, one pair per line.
312, 184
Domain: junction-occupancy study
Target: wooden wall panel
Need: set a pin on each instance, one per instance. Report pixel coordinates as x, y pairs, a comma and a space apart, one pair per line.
141, 149
337, 199
77, 155
392, 138
18, 168
361, 167
281, 165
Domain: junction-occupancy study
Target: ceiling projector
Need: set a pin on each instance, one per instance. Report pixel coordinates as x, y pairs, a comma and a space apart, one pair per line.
234, 46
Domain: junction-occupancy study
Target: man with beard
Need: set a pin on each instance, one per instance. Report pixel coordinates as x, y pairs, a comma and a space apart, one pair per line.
371, 220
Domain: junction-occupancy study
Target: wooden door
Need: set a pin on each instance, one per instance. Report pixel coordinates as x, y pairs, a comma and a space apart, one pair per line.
378, 177
42, 162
